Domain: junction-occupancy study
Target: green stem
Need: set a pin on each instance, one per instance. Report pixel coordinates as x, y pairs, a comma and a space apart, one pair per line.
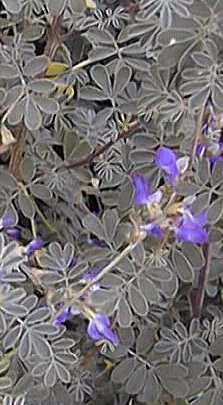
48, 225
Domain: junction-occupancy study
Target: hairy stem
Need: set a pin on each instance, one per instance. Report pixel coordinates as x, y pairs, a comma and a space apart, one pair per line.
54, 37
198, 296
198, 132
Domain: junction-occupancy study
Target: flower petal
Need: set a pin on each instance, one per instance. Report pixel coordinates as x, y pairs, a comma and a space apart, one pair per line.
99, 328
202, 218
62, 317
93, 332
141, 188
191, 228
7, 221
165, 159
154, 230
90, 275
192, 234
14, 233
155, 198
34, 245
214, 160
102, 321
200, 150
103, 325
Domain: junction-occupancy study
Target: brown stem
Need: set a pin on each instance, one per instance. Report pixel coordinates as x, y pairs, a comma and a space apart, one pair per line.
197, 298
198, 132
54, 37
17, 152
99, 150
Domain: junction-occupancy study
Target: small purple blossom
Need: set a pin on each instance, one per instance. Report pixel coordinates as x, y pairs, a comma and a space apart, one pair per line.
7, 221
215, 150
214, 160
14, 233
89, 276
143, 195
96, 242
191, 228
99, 328
33, 246
62, 317
208, 128
166, 160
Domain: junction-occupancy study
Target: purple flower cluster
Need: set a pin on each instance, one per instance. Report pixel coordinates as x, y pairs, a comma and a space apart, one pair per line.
186, 226
99, 327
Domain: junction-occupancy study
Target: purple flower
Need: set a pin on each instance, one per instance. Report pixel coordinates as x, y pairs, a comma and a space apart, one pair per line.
208, 128
96, 242
33, 246
99, 328
14, 233
214, 160
142, 192
200, 150
215, 150
89, 276
165, 159
62, 317
191, 228
7, 221
154, 230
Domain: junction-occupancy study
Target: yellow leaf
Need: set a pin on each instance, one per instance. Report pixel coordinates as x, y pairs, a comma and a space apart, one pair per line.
7, 136
4, 365
68, 91
108, 364
90, 4
6, 360
56, 68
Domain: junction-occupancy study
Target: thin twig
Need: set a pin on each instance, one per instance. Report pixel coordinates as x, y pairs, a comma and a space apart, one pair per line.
110, 266
54, 37
198, 299
44, 219
105, 270
101, 149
